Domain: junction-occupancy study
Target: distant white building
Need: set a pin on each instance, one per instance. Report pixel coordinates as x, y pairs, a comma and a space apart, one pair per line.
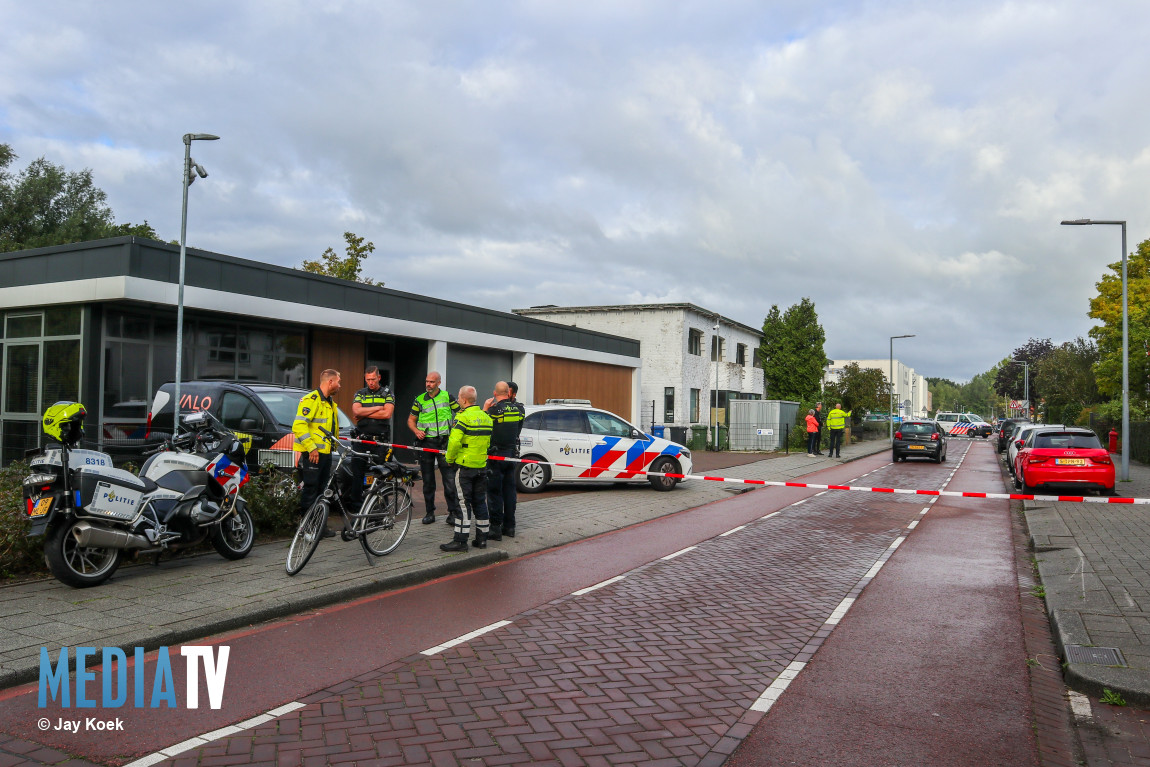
688, 353
911, 391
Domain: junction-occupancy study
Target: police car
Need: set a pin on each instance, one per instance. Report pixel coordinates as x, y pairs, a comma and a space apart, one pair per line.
963, 424
600, 445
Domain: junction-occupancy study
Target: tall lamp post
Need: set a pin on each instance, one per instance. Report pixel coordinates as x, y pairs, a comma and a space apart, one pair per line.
190, 165
1125, 477
715, 409
893, 388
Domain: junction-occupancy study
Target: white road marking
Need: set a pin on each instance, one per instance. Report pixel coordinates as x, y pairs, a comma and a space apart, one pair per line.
679, 552
775, 690
600, 585
773, 513
465, 638
733, 530
840, 611
202, 740
912, 525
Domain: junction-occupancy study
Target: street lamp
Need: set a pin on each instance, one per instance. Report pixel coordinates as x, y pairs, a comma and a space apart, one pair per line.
893, 390
715, 409
1125, 346
189, 165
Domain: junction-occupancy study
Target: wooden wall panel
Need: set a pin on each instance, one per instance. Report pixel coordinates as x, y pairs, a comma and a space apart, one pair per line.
607, 386
342, 351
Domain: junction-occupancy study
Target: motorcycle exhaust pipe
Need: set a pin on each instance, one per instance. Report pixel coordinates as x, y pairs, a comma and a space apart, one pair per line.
87, 534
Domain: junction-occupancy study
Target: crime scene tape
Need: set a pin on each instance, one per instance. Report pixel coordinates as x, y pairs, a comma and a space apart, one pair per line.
775, 483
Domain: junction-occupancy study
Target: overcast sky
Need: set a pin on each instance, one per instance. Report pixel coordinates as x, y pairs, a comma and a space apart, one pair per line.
903, 164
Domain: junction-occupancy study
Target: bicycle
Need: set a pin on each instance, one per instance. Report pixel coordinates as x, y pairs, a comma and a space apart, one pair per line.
384, 515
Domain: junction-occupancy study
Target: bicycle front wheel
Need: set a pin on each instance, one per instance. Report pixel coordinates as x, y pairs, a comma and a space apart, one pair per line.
388, 515
307, 537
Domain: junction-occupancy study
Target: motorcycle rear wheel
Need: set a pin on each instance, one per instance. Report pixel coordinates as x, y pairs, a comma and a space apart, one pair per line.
233, 538
307, 537
75, 565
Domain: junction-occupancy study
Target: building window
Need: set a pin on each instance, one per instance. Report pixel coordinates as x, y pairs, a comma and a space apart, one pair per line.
716, 349
741, 354
669, 404
694, 405
695, 342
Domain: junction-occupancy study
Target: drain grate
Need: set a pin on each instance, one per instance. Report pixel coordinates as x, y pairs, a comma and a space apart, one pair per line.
1098, 656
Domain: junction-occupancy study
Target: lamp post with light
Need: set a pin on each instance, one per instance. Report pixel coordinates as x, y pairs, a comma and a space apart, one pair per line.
893, 388
189, 166
1125, 477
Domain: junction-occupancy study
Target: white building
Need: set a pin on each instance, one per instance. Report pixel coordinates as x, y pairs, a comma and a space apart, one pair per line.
687, 352
911, 391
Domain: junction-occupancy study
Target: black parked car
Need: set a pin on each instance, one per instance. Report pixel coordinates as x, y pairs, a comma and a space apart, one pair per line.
919, 438
1003, 432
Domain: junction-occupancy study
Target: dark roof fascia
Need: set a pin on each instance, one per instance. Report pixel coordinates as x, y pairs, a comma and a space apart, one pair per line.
637, 307
147, 259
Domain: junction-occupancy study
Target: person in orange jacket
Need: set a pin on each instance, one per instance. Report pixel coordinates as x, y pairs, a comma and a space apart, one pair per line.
812, 433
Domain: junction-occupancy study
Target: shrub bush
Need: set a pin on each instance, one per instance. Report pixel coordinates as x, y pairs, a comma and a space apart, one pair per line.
19, 554
273, 500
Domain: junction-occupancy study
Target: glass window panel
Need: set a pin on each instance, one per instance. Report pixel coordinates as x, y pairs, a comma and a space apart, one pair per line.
62, 321
165, 331
256, 340
163, 367
19, 436
22, 379
126, 376
694, 405
255, 367
669, 403
236, 408
208, 364
290, 343
565, 420
291, 371
64, 382
24, 325
216, 335
607, 425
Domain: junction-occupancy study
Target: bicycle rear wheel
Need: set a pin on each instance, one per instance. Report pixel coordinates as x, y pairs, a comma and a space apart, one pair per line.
307, 537
388, 517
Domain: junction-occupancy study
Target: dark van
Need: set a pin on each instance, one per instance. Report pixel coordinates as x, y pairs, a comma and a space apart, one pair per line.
263, 410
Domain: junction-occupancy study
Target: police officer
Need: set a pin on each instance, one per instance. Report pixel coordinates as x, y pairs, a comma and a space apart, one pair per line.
506, 423
316, 409
372, 408
836, 424
430, 422
467, 448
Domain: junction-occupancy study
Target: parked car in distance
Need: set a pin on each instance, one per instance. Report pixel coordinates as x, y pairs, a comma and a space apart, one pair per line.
919, 438
1064, 458
598, 444
963, 424
1002, 433
1018, 438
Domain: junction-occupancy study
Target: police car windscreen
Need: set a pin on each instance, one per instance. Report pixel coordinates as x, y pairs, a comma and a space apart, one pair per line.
283, 405
1068, 440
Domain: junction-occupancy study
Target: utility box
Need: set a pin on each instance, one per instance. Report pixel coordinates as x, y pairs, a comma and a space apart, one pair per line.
760, 424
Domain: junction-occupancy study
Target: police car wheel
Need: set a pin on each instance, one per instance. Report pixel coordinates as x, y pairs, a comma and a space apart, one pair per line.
532, 477
664, 466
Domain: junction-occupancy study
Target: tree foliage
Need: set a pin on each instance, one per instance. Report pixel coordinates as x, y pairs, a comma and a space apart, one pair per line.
1066, 376
1106, 307
792, 351
347, 268
1010, 381
975, 396
859, 389
45, 205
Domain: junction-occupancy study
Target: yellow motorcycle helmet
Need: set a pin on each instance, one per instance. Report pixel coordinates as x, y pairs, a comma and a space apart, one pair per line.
64, 422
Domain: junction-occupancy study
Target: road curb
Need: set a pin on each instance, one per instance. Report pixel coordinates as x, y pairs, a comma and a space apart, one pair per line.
167, 637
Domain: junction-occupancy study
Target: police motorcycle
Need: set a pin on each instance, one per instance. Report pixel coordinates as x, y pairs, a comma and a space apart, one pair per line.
92, 513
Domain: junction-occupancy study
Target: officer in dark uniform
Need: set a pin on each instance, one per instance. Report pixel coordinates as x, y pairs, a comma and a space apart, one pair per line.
372, 409
507, 421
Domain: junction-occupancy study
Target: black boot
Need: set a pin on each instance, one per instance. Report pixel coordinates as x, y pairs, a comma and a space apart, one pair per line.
453, 546
480, 541
451, 520
495, 535
429, 517
509, 532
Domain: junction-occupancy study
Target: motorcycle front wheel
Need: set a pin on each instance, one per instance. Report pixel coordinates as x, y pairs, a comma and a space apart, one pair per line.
233, 538
75, 565
307, 537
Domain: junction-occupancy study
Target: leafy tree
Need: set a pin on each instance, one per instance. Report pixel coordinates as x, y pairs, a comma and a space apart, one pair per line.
1066, 376
792, 351
1107, 308
347, 268
1010, 380
976, 395
858, 389
46, 205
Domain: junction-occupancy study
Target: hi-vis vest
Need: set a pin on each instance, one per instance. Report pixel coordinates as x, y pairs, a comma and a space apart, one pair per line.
470, 438
314, 411
837, 418
434, 414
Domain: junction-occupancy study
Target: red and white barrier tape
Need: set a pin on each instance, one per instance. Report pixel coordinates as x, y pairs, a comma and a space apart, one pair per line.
770, 483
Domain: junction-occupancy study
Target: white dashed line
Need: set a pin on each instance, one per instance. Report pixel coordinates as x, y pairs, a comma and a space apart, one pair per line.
589, 589
464, 638
912, 525
202, 740
679, 552
733, 530
773, 513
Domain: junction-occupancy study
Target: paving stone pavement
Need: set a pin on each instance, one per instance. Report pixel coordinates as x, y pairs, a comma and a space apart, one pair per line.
192, 597
1094, 562
658, 668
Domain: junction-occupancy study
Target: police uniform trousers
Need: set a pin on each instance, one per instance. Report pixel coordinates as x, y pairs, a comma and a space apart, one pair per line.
314, 477
473, 484
501, 491
836, 444
379, 453
427, 465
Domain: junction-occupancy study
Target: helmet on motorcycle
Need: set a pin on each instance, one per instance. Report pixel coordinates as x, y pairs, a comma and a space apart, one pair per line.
64, 422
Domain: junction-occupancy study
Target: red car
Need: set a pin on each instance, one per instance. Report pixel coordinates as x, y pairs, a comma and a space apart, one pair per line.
1064, 459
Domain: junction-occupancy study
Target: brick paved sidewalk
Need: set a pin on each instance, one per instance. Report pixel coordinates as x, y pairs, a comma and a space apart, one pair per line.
1094, 561
193, 597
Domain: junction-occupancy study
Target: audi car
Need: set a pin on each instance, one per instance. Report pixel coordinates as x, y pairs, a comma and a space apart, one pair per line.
1067, 459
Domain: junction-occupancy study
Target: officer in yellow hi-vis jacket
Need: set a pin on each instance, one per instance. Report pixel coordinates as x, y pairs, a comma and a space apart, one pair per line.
837, 424
467, 448
316, 409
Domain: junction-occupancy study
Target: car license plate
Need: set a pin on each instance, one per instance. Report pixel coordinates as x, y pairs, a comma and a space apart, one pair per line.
918, 447
42, 506
1070, 461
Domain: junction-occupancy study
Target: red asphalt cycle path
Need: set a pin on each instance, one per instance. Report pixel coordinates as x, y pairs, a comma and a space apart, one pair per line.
283, 661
